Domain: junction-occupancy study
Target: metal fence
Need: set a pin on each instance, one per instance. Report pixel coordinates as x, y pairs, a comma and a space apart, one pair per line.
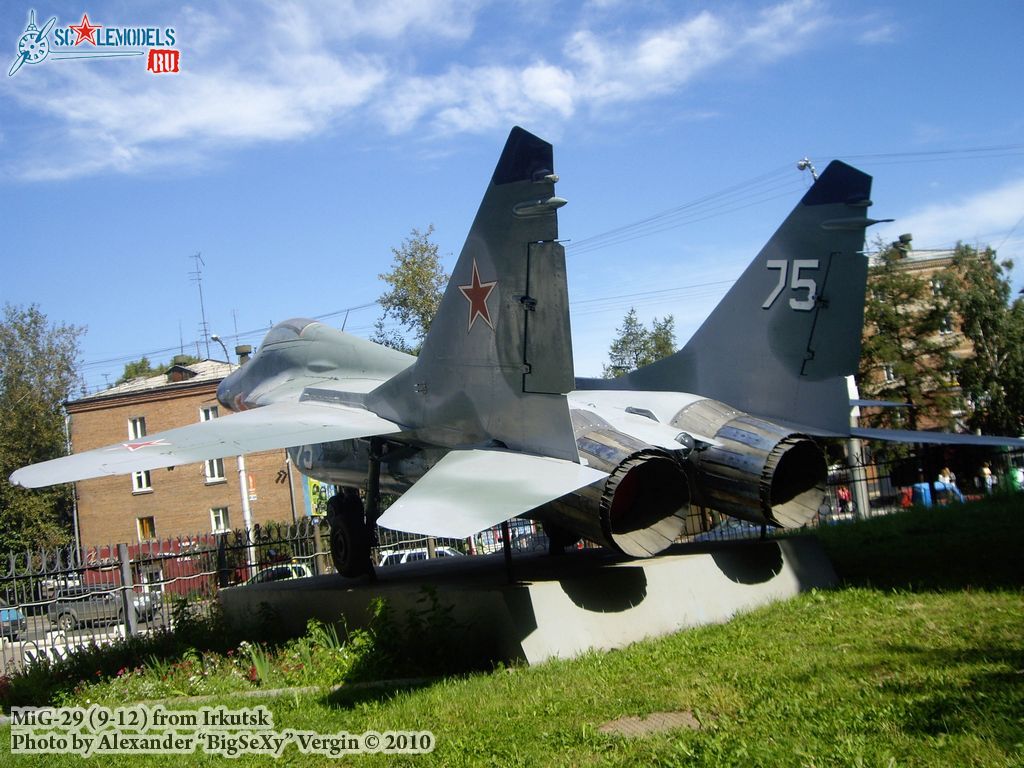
57, 600
53, 601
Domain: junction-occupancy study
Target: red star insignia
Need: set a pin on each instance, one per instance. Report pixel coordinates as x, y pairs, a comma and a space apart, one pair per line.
85, 30
132, 447
476, 293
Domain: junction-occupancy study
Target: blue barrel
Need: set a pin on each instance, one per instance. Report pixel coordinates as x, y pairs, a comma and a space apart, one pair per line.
922, 495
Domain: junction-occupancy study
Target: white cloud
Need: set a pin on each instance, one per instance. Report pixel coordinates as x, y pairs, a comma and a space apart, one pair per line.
284, 83
985, 218
387, 19
597, 71
479, 99
880, 35
300, 67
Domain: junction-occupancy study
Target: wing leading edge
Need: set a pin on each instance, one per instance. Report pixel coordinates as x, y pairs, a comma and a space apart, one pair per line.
279, 425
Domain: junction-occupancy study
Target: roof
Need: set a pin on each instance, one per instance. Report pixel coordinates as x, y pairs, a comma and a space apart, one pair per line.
175, 376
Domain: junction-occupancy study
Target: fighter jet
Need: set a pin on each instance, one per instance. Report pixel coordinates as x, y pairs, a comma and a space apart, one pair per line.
488, 423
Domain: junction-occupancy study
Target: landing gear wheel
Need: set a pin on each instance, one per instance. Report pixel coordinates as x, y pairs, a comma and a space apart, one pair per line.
558, 538
350, 538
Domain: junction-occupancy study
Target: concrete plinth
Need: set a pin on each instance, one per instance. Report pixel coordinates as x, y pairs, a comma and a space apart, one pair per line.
559, 606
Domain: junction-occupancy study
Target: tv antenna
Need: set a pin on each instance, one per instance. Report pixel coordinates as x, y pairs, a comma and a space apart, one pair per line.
197, 278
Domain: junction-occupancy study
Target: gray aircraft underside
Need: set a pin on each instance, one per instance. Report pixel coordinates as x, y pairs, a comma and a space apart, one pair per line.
489, 422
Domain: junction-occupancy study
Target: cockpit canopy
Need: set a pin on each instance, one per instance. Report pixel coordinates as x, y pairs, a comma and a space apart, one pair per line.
287, 330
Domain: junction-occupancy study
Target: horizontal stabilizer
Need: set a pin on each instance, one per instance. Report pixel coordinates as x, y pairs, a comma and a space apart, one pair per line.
935, 438
279, 425
469, 491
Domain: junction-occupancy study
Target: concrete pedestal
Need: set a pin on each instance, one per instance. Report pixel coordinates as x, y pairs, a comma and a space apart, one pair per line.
559, 606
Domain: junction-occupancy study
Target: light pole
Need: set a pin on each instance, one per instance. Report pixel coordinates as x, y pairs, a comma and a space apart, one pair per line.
219, 340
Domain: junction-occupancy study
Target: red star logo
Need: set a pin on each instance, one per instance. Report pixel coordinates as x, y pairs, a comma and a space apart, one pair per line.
85, 30
476, 293
132, 447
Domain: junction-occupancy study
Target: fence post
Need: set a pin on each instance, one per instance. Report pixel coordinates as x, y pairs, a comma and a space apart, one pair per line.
223, 572
318, 551
131, 621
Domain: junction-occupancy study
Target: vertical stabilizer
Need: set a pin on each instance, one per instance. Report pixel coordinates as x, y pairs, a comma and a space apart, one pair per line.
782, 341
497, 362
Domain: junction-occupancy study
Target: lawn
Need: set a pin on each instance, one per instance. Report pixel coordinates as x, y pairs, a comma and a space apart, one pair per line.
918, 659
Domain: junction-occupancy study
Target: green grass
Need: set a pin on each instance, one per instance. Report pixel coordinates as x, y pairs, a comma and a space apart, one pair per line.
917, 661
963, 546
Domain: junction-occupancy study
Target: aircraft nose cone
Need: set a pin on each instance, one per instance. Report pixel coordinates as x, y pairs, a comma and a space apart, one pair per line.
229, 393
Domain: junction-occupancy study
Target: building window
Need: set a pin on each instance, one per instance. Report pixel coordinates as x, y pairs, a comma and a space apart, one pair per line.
219, 520
147, 528
141, 482
214, 470
137, 428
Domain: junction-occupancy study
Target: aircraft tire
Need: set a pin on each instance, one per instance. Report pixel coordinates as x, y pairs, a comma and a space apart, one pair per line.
558, 537
350, 538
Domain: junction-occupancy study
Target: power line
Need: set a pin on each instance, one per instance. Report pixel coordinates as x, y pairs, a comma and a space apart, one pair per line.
756, 190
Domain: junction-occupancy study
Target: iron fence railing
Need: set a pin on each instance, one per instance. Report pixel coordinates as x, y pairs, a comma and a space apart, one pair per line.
52, 601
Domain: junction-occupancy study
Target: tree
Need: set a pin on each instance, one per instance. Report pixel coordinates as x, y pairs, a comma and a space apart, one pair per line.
142, 367
38, 367
636, 346
137, 369
993, 377
905, 356
416, 283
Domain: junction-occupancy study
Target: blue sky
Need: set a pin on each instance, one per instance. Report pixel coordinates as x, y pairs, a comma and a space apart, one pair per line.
302, 141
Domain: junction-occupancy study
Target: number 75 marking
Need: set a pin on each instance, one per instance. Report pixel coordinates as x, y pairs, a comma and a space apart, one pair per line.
799, 283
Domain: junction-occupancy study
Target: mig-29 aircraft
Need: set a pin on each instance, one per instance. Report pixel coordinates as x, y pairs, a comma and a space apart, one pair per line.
488, 423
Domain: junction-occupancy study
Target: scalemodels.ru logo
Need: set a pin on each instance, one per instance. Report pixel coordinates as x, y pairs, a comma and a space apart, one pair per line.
91, 40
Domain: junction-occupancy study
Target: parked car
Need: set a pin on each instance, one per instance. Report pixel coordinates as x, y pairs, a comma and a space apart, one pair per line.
530, 542
396, 556
95, 603
280, 572
12, 621
730, 529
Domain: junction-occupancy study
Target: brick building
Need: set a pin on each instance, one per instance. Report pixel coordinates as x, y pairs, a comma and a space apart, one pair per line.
185, 500
928, 266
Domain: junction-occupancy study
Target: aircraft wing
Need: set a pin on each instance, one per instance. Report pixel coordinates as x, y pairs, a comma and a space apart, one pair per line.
279, 425
935, 438
470, 490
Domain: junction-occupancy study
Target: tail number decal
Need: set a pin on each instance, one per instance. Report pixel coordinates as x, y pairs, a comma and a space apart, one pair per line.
799, 283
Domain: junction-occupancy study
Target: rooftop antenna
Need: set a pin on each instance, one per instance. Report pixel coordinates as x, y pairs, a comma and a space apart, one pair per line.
807, 165
197, 278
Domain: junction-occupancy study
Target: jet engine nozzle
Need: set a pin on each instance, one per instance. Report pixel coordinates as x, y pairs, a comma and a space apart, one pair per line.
640, 508
645, 504
760, 472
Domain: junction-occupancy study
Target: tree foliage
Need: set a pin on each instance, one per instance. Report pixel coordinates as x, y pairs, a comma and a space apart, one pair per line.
636, 346
416, 284
993, 377
906, 356
38, 367
143, 367
138, 368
